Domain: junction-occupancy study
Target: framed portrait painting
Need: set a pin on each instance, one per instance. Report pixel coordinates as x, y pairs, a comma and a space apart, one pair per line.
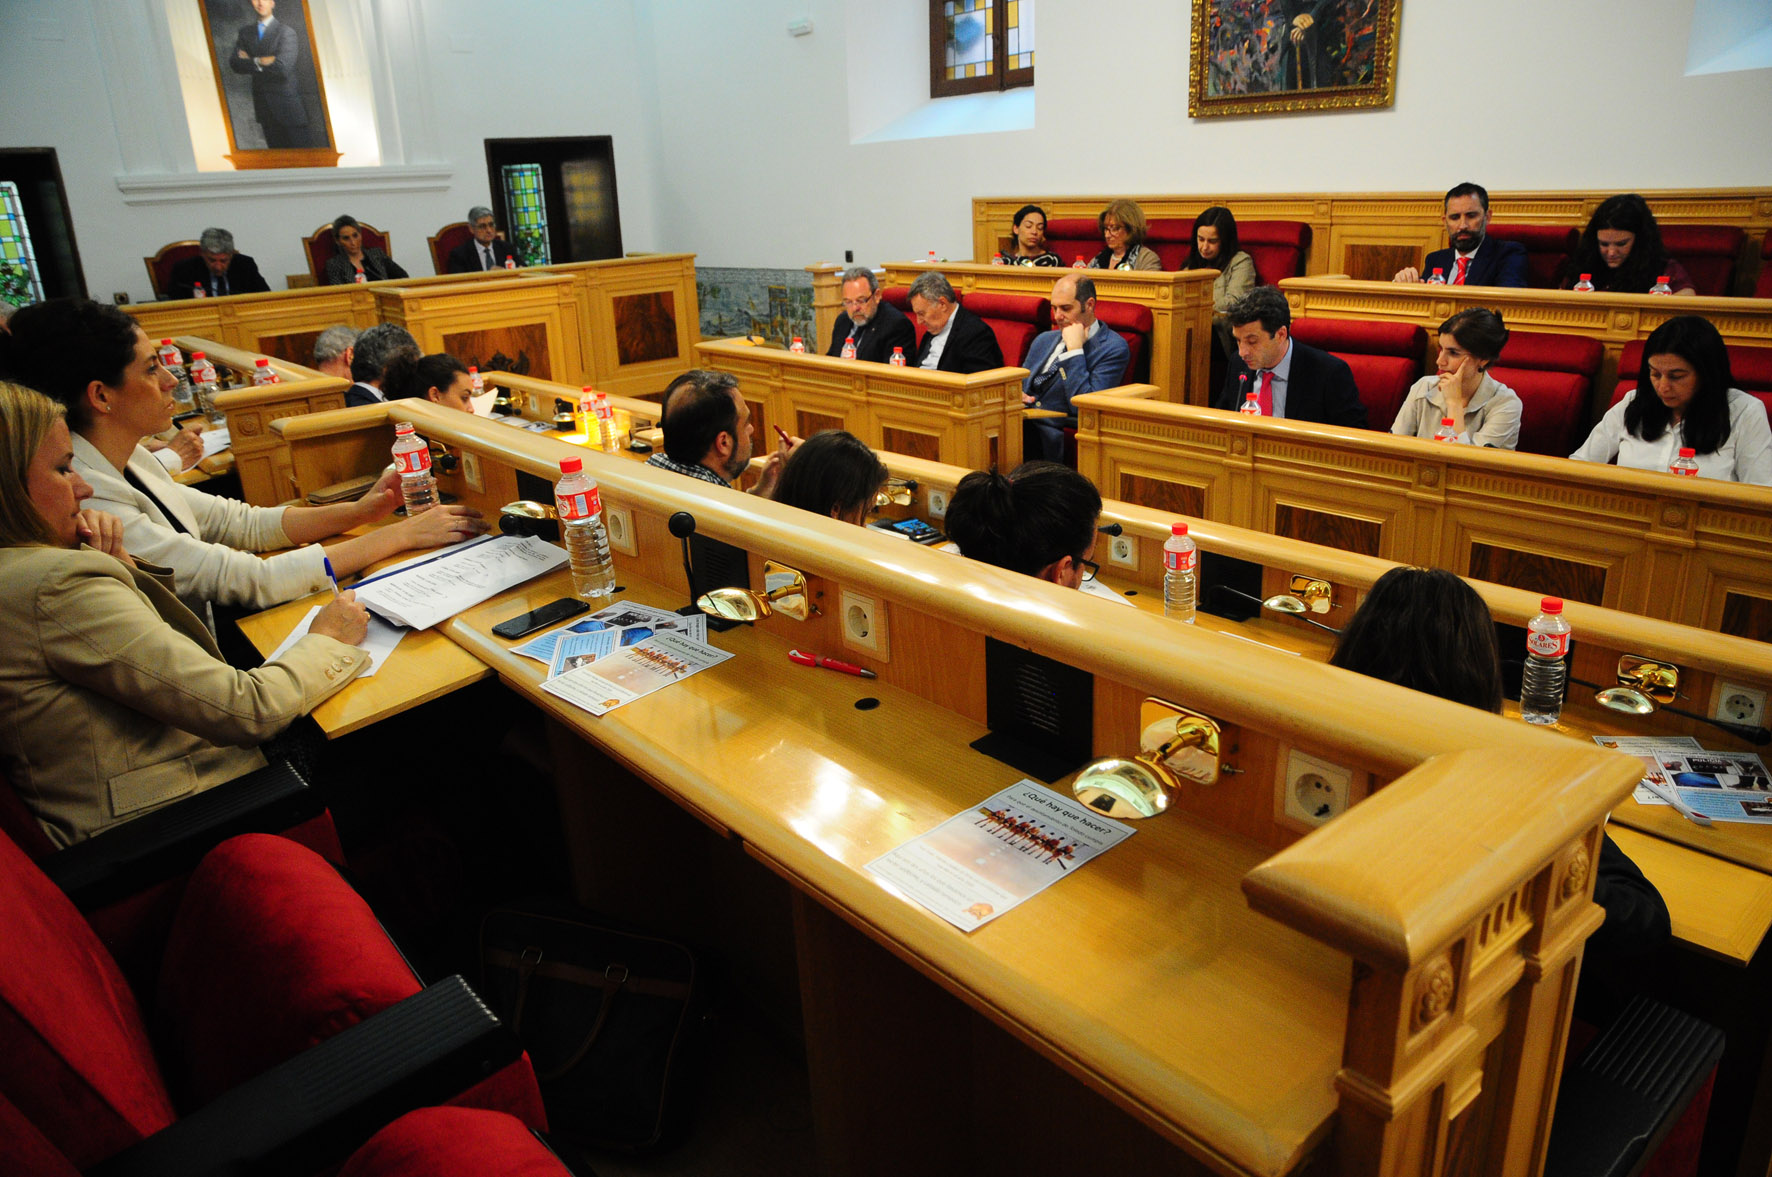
272, 97
1274, 56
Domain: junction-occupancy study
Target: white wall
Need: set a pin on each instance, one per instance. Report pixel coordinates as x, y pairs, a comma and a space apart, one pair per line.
735, 141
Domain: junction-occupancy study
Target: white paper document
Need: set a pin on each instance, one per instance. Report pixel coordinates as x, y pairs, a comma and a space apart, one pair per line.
216, 440
637, 670
380, 641
1723, 786
1095, 588
977, 865
634, 622
422, 593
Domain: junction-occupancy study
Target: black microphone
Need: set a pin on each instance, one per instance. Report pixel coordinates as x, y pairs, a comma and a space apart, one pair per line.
1110, 529
682, 525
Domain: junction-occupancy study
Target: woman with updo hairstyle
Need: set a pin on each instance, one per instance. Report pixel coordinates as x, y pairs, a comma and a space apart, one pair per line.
1621, 251
439, 378
832, 473
1484, 411
354, 258
1030, 239
1685, 398
1123, 228
1039, 519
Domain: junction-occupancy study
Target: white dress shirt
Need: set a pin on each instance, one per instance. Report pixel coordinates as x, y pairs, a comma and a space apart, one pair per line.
1745, 457
938, 341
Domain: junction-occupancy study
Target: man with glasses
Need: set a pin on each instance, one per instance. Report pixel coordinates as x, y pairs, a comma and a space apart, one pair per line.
874, 324
486, 250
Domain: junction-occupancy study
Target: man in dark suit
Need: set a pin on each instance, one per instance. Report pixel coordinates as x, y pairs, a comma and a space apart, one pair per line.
268, 50
954, 339
486, 251
375, 349
1289, 379
875, 324
1080, 354
1475, 259
216, 270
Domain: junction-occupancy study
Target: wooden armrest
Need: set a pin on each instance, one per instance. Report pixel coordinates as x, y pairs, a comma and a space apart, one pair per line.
330, 422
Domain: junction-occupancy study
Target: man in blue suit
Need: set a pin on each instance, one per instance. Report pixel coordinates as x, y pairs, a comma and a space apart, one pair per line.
1475, 259
1080, 354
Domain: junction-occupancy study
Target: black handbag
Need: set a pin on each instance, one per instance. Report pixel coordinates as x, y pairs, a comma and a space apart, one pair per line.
606, 1016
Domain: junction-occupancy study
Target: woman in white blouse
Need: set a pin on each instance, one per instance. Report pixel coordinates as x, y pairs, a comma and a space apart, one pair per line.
1484, 411
1684, 398
95, 361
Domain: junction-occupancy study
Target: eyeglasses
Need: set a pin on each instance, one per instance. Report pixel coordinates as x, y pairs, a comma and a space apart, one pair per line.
1112, 230
850, 304
1091, 570
896, 492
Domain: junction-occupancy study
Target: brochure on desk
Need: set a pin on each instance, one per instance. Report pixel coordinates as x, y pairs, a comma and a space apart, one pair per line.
607, 682
1723, 786
631, 621
978, 864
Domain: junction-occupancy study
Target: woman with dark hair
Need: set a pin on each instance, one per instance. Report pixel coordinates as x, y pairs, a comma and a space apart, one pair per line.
93, 359
1484, 411
832, 473
1684, 399
355, 262
1426, 629
113, 696
1215, 248
439, 378
1040, 519
1620, 251
1123, 228
1030, 239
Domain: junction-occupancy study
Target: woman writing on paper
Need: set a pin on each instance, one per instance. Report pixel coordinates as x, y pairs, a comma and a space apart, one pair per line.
113, 696
103, 370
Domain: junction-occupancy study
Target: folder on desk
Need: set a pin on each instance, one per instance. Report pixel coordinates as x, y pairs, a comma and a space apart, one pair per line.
435, 588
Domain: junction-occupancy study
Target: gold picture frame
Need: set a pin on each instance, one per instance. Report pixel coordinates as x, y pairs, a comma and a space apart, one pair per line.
1291, 55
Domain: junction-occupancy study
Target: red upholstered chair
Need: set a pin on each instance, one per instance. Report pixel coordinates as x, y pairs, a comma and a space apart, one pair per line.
271, 952
1546, 247
1171, 237
319, 246
1015, 318
1750, 366
1279, 249
1074, 237
1385, 358
454, 1142
900, 297
1763, 287
1709, 253
1554, 375
161, 264
1134, 324
447, 238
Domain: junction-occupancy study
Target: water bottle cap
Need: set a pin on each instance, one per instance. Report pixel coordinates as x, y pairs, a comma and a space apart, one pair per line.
588, 388
1688, 452
1178, 529
1586, 277
471, 368
262, 362
1445, 420
1438, 270
898, 351
1662, 279
196, 355
1551, 605
166, 343
571, 465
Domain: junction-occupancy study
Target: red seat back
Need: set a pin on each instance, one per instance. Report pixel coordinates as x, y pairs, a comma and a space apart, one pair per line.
1554, 376
1385, 359
1751, 368
1133, 323
160, 266
1074, 237
1015, 319
444, 243
1279, 249
1550, 352
320, 247
1709, 253
1172, 238
900, 297
1547, 246
1763, 286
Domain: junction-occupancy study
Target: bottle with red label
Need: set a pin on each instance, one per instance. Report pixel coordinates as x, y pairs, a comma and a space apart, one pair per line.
1437, 278
1661, 286
261, 372
604, 414
798, 347
476, 380
198, 290
849, 347
362, 277
1445, 432
581, 527
1585, 284
1546, 675
1686, 463
412, 459
510, 263
1181, 557
203, 385
897, 360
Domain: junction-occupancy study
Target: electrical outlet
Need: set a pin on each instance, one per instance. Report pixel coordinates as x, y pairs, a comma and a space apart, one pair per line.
121, 298
470, 471
1314, 790
864, 623
619, 522
1123, 551
938, 503
1739, 704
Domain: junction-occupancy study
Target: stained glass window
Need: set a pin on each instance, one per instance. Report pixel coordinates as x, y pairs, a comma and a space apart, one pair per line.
19, 281
526, 212
979, 45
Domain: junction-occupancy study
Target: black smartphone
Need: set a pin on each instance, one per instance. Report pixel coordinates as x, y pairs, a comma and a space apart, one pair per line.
912, 529
548, 614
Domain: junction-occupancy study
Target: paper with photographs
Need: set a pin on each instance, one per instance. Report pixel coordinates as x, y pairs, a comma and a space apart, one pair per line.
574, 650
642, 620
1723, 786
632, 672
978, 864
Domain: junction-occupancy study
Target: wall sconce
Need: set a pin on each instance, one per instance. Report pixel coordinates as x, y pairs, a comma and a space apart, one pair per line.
1175, 745
1314, 593
784, 592
1643, 685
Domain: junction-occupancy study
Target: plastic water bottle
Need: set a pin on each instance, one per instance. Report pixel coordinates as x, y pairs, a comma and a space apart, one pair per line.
1661, 286
1686, 463
412, 458
604, 413
198, 290
581, 526
932, 260
997, 260
203, 385
1547, 672
897, 360
1251, 406
170, 357
849, 348
1437, 278
1181, 556
1445, 432
798, 347
261, 372
1586, 284
475, 379
510, 263
362, 277
1080, 262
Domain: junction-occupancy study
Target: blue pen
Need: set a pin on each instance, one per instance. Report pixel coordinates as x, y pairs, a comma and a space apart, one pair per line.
327, 560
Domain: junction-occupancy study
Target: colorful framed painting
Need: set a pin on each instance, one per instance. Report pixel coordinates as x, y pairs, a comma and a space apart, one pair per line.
1277, 56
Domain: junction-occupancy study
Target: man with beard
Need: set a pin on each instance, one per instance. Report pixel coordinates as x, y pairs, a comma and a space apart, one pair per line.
874, 324
1474, 259
707, 432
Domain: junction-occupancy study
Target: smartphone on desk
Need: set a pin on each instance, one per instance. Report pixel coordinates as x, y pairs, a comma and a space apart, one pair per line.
914, 530
548, 614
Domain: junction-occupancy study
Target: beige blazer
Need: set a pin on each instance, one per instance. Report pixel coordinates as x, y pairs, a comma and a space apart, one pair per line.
115, 700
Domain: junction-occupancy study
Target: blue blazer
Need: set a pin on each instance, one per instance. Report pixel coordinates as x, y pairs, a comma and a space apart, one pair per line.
1102, 365
1496, 263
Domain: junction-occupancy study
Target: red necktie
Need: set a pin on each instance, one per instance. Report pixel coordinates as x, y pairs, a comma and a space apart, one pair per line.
1265, 398
1463, 265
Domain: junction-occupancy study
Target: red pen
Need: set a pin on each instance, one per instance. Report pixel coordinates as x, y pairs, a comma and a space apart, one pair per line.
783, 434
831, 664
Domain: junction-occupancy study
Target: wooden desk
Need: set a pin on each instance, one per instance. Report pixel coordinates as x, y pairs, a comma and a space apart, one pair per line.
1716, 907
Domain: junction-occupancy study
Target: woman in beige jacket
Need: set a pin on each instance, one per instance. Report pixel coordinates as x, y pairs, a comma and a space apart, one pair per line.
113, 697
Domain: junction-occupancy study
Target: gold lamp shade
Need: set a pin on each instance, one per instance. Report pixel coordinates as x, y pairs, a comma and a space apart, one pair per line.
1175, 745
784, 592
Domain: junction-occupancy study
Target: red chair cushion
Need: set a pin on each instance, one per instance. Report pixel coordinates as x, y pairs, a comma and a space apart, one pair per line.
1551, 352
1015, 318
1362, 336
1074, 237
453, 1142
26, 1152
1553, 408
1546, 247
1279, 249
900, 297
1172, 238
1133, 323
1763, 285
1383, 382
271, 953
1709, 253
75, 1060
